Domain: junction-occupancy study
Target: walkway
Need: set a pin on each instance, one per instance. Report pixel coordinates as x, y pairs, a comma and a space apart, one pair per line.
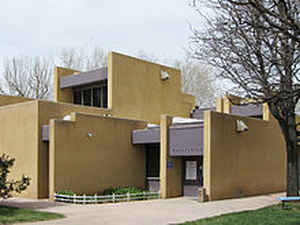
155, 212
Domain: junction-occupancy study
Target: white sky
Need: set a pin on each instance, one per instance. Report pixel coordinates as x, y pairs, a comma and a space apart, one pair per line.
43, 27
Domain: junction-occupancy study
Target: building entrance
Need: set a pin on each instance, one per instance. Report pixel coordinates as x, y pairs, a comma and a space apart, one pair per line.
152, 167
192, 176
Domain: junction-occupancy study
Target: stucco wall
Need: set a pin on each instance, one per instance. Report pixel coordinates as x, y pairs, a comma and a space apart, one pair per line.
20, 136
62, 95
170, 167
19, 139
135, 90
10, 100
56, 110
88, 165
52, 110
242, 164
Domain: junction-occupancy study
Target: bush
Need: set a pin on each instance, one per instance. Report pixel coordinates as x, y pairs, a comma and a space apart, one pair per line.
109, 191
65, 192
9, 186
121, 190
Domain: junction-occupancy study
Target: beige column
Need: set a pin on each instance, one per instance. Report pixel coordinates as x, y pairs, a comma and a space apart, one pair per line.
227, 105
207, 142
219, 105
170, 167
266, 112
51, 159
62, 95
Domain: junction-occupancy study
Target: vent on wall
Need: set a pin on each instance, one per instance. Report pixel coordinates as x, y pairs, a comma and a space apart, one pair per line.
164, 75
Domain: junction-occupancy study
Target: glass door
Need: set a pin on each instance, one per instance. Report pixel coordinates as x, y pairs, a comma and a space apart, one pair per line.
192, 175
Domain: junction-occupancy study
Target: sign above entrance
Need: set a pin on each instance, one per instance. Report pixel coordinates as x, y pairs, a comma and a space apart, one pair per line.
186, 141
185, 151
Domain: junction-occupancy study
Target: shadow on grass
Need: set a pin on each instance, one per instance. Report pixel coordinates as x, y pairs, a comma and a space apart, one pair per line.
5, 211
30, 204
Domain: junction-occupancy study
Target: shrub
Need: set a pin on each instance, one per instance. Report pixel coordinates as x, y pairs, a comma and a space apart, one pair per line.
121, 190
9, 186
65, 192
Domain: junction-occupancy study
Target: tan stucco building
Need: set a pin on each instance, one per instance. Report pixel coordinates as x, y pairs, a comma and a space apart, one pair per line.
122, 125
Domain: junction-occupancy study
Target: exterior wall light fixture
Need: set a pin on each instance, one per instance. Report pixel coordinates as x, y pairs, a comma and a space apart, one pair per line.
241, 126
164, 75
67, 117
90, 134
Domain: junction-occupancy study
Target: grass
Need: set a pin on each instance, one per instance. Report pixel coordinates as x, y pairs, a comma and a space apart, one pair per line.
10, 215
266, 216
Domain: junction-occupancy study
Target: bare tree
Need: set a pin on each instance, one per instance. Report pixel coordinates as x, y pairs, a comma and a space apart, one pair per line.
83, 58
255, 44
280, 16
197, 79
27, 77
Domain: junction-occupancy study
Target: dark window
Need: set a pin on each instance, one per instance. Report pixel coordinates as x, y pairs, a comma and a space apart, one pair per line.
95, 96
77, 97
104, 98
87, 100
152, 161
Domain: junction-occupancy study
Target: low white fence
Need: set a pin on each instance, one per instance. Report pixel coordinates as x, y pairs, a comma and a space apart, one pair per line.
94, 199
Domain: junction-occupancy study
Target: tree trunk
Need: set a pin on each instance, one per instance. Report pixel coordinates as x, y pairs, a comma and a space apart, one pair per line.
292, 162
288, 128
292, 171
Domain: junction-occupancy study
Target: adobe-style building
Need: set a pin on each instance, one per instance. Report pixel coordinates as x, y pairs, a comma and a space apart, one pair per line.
130, 124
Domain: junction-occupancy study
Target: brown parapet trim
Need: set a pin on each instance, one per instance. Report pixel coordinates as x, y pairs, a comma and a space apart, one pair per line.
84, 78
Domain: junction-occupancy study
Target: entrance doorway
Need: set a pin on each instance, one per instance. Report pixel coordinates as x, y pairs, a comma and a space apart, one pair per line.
152, 167
192, 176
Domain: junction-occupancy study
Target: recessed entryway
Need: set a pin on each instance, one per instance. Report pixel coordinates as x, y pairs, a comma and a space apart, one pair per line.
192, 176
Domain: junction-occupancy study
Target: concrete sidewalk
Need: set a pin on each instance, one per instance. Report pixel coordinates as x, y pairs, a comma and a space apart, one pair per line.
155, 212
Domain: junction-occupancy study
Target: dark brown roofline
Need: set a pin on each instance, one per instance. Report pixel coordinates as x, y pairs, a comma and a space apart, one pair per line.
84, 78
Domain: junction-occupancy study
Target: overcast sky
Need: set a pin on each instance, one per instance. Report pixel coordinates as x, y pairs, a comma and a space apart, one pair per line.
43, 27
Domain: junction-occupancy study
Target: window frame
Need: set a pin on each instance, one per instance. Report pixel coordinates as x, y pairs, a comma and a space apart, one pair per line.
91, 88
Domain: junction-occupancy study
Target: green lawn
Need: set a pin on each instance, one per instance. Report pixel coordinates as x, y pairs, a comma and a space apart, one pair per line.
15, 215
265, 216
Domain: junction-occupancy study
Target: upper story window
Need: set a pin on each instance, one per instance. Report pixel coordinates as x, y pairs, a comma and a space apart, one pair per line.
91, 96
